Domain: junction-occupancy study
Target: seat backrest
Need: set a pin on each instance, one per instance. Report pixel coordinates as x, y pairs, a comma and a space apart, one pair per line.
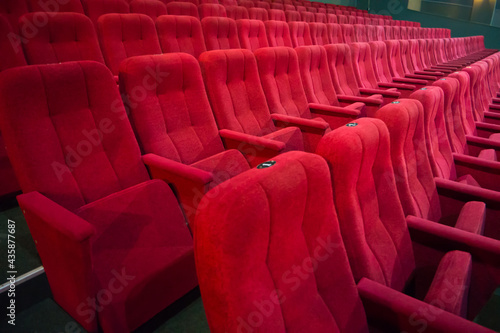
182, 8
228, 3
279, 74
277, 5
438, 146
252, 34
396, 32
311, 9
278, 33
319, 33
334, 33
292, 15
256, 13
331, 18
237, 12
362, 65
315, 75
413, 173
276, 15
175, 93
388, 32
126, 35
374, 230
307, 16
360, 33
342, 19
95, 8
246, 3
394, 58
406, 59
320, 18
220, 33
12, 10
151, 8
65, 37
348, 33
372, 32
452, 116
233, 73
403, 33
253, 210
465, 102
341, 70
262, 4
12, 53
211, 9
81, 146
180, 34
66, 6
299, 33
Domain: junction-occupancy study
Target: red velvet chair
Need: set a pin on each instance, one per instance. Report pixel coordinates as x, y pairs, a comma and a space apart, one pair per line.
278, 33
413, 173
66, 6
113, 242
293, 281
318, 86
262, 4
256, 13
175, 126
220, 33
12, 10
319, 33
246, 3
331, 18
396, 66
347, 33
182, 9
126, 35
422, 258
240, 108
237, 12
65, 37
96, 8
151, 8
307, 17
180, 34
320, 18
344, 79
276, 15
252, 34
300, 33
407, 63
292, 15
360, 33
334, 33
210, 9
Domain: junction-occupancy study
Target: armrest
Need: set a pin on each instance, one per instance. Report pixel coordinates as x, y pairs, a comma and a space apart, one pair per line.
486, 129
352, 110
63, 241
427, 77
475, 144
401, 86
172, 171
491, 117
485, 172
429, 72
409, 81
443, 69
305, 125
253, 140
366, 100
466, 193
409, 314
384, 93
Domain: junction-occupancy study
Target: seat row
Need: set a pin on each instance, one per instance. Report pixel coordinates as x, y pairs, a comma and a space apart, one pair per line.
73, 149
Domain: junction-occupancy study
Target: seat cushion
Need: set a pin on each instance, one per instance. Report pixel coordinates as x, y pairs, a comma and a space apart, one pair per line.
495, 137
468, 180
488, 154
223, 166
142, 253
450, 286
472, 217
290, 136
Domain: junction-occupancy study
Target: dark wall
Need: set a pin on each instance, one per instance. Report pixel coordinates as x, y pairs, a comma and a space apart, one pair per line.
398, 10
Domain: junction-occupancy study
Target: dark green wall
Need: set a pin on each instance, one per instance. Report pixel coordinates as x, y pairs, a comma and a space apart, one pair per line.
398, 10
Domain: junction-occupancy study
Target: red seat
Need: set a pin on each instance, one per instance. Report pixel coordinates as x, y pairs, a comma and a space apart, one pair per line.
151, 8
95, 8
246, 3
278, 33
237, 12
12, 48
126, 35
66, 6
220, 33
348, 33
299, 33
258, 14
331, 18
252, 34
210, 9
334, 33
91, 207
180, 34
276, 15
360, 33
175, 123
292, 16
319, 33
182, 9
244, 121
12, 10
65, 37
262, 4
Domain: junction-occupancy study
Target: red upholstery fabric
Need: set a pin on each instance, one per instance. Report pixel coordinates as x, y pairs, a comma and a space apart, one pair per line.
73, 6
237, 12
95, 8
175, 121
331, 18
465, 101
12, 10
65, 37
246, 3
300, 33
258, 14
348, 33
320, 18
12, 53
319, 33
182, 8
210, 9
151, 8
220, 33
126, 35
180, 34
81, 155
278, 33
307, 17
292, 16
363, 66
252, 34
262, 4
238, 101
360, 33
277, 15
334, 33
254, 199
